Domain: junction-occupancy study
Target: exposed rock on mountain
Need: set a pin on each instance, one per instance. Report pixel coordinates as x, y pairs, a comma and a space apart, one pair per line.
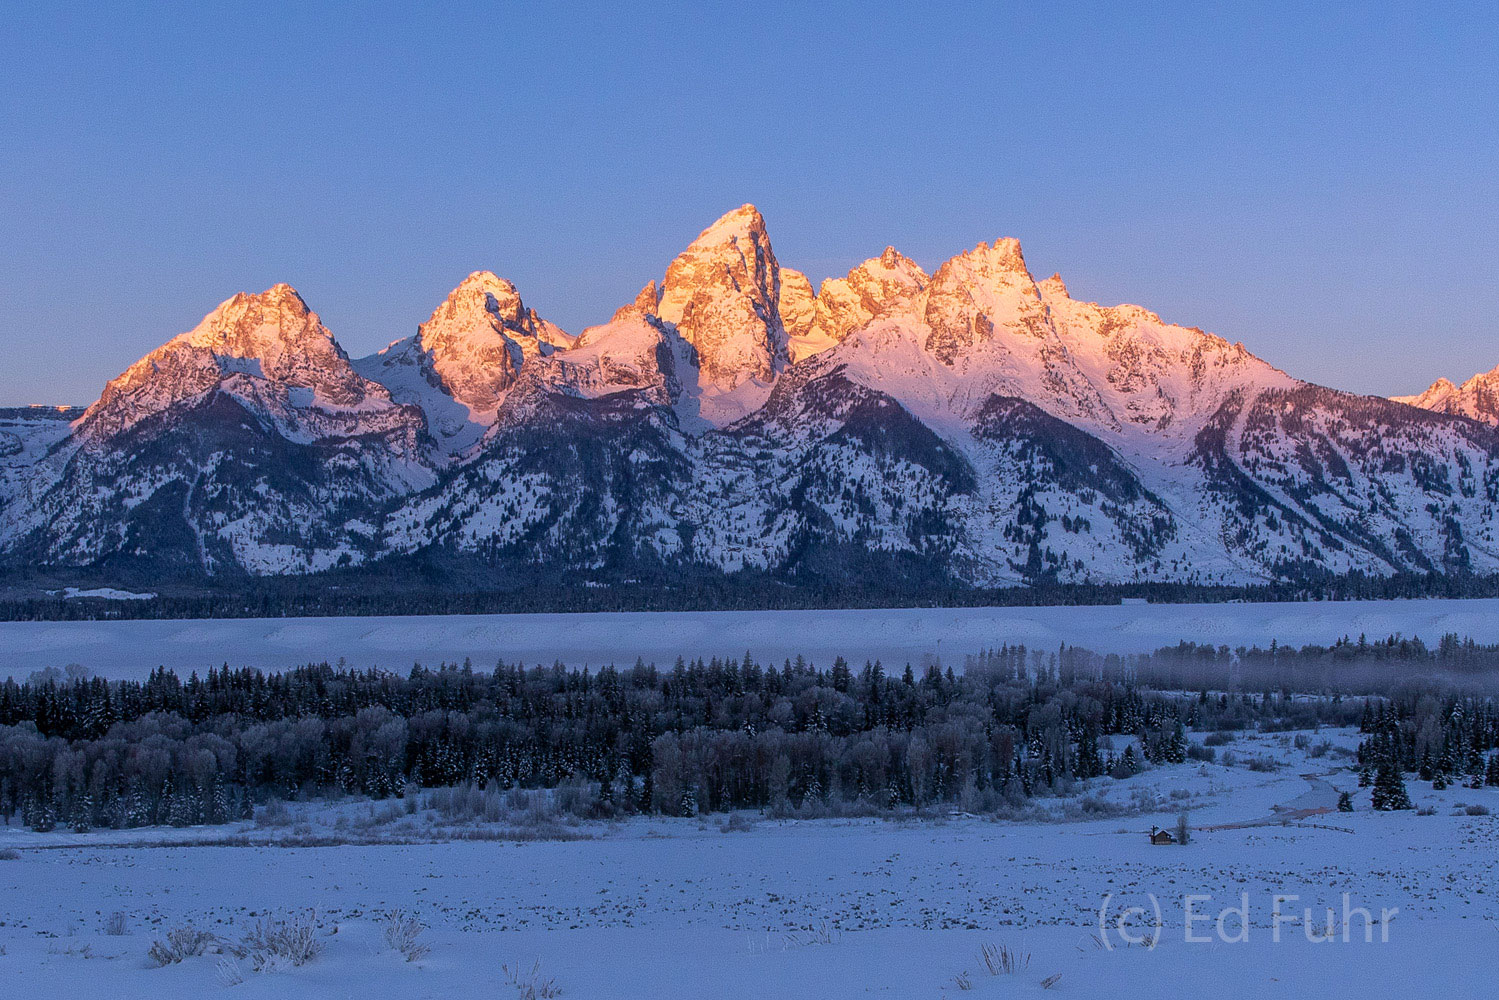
723, 296
798, 313
845, 304
463, 359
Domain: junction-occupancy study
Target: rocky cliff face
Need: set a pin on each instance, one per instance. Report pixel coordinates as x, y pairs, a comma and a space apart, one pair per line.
723, 296
845, 304
894, 429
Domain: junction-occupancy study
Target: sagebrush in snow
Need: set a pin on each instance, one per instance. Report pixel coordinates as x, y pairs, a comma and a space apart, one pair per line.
229, 972
278, 942
1002, 960
180, 943
530, 984
401, 931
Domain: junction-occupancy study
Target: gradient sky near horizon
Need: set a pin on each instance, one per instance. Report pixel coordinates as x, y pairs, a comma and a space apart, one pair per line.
1319, 184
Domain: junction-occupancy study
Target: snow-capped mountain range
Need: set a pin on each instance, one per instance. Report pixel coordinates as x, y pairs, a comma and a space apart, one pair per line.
891, 429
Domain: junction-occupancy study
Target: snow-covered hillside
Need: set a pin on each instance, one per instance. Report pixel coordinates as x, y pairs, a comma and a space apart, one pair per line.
893, 430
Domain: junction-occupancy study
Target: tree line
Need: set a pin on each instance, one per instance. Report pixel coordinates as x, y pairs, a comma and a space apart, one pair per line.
413, 588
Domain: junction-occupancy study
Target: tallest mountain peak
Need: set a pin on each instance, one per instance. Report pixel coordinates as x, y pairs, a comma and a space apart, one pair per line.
723, 295
745, 220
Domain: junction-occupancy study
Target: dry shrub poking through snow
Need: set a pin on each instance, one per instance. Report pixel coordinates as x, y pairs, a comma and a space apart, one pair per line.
823, 932
401, 930
180, 943
229, 973
1001, 960
530, 984
116, 924
278, 942
10, 854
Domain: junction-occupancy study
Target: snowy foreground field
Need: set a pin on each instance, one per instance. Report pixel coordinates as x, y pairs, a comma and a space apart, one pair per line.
131, 649
753, 908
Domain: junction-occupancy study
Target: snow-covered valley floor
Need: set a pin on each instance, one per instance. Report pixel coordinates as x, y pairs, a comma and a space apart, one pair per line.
823, 908
132, 649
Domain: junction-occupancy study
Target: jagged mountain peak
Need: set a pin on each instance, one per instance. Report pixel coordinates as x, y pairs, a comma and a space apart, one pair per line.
740, 223
723, 296
463, 360
266, 359
260, 345
1477, 398
1053, 287
977, 292
799, 314
497, 294
645, 303
842, 305
1001, 259
261, 325
486, 312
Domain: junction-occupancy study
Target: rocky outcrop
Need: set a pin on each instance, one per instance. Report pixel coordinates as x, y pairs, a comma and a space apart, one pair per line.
465, 358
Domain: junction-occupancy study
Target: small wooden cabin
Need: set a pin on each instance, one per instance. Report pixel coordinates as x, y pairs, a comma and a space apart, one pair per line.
1161, 836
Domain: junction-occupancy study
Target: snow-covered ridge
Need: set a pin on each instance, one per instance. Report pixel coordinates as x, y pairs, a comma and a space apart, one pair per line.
1477, 398
973, 426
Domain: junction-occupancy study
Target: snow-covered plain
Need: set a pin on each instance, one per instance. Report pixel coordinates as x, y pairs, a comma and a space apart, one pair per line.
824, 909
131, 649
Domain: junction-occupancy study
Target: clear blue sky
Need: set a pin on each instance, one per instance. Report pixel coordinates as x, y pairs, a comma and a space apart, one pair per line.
1322, 186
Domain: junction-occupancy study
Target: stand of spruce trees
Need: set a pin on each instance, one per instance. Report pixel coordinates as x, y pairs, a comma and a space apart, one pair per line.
717, 734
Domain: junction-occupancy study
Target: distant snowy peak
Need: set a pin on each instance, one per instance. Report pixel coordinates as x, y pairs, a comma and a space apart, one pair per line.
1477, 398
268, 350
463, 360
722, 294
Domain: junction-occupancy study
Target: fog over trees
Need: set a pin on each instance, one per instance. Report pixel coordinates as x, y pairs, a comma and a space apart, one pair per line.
720, 734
